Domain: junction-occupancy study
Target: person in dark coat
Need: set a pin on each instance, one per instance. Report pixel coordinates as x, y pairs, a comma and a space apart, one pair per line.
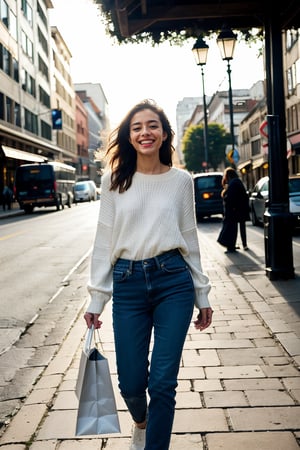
236, 210
7, 197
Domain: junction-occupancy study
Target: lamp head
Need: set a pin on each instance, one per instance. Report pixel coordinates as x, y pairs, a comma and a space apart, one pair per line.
226, 42
200, 50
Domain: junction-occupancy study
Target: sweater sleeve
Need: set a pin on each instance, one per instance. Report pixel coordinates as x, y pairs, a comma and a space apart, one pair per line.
193, 257
100, 280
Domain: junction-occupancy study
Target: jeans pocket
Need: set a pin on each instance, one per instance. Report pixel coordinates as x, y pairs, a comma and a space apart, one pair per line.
174, 265
120, 275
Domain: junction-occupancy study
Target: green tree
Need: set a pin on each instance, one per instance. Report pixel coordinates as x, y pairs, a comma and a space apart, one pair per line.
193, 147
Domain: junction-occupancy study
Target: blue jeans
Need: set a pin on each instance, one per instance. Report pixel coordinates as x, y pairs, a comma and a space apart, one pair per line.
154, 295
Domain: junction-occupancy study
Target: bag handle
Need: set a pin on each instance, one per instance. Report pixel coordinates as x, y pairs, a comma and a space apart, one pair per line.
89, 337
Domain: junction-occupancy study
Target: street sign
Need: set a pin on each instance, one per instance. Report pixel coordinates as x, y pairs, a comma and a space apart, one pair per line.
232, 155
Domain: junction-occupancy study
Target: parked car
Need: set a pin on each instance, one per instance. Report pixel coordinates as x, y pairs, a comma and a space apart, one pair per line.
85, 191
260, 195
208, 188
93, 188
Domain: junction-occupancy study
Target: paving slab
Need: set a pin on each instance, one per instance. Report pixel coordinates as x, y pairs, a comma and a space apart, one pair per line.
46, 445
268, 398
234, 372
252, 441
91, 444
14, 447
24, 424
225, 399
200, 420
272, 418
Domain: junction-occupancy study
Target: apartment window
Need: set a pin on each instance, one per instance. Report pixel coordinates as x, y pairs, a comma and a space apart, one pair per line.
9, 110
27, 46
31, 123
44, 97
13, 25
254, 128
43, 67
28, 83
4, 12
17, 114
255, 147
30, 49
27, 10
31, 86
2, 112
6, 61
291, 38
293, 118
291, 80
15, 65
41, 14
46, 130
43, 41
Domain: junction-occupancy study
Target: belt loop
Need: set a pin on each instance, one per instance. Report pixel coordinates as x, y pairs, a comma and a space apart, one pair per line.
130, 267
158, 266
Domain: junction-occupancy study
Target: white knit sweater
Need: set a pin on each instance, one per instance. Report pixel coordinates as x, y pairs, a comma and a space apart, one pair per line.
154, 215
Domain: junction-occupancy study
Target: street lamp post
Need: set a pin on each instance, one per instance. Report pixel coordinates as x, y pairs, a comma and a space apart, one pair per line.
226, 42
200, 50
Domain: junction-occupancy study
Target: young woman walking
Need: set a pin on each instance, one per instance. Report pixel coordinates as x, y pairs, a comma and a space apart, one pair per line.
146, 256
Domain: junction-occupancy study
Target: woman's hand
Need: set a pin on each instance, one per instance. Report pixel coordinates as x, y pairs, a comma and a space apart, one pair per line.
92, 319
204, 319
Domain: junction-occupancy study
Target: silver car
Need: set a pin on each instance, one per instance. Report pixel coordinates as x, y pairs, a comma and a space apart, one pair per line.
260, 194
85, 191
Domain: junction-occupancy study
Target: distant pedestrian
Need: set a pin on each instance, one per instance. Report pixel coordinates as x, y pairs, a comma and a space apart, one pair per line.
7, 198
236, 211
146, 255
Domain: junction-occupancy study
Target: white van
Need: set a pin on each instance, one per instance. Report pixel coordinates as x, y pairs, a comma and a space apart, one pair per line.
85, 191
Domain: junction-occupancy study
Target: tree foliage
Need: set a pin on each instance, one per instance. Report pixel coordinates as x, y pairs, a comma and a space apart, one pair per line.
194, 150
176, 35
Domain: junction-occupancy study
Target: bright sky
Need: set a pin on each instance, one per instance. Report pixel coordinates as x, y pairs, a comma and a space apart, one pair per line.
132, 72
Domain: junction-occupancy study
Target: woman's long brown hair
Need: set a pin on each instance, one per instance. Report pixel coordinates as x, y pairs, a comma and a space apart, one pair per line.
122, 155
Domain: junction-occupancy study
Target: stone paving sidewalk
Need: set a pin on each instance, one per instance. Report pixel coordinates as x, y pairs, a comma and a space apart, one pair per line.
239, 383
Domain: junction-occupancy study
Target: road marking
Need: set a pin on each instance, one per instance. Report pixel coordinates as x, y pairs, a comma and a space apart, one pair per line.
9, 236
83, 258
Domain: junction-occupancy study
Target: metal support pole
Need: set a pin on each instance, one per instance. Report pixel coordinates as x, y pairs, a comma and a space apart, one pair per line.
230, 105
205, 131
277, 218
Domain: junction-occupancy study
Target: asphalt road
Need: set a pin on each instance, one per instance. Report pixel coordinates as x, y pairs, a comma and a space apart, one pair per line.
38, 252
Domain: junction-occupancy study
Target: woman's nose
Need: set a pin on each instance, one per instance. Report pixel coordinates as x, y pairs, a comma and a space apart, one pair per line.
145, 130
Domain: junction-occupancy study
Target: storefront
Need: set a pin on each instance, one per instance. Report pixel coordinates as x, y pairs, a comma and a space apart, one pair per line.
10, 159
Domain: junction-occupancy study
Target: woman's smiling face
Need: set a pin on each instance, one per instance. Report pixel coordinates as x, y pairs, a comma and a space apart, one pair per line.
146, 132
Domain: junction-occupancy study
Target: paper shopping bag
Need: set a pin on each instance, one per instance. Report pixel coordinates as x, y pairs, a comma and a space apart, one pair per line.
97, 412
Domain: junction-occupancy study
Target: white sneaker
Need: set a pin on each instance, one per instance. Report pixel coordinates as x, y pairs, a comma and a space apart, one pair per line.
138, 438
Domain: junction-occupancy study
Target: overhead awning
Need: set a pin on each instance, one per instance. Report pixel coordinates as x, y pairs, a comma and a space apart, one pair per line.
257, 163
14, 153
295, 140
245, 164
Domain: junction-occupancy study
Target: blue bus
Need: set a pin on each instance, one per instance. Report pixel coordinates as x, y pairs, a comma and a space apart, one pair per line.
44, 184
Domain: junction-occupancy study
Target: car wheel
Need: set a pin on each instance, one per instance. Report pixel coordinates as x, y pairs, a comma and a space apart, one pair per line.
28, 209
70, 201
59, 204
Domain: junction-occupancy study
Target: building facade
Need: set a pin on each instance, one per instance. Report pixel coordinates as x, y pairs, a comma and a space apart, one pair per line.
63, 97
25, 85
253, 130
40, 118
